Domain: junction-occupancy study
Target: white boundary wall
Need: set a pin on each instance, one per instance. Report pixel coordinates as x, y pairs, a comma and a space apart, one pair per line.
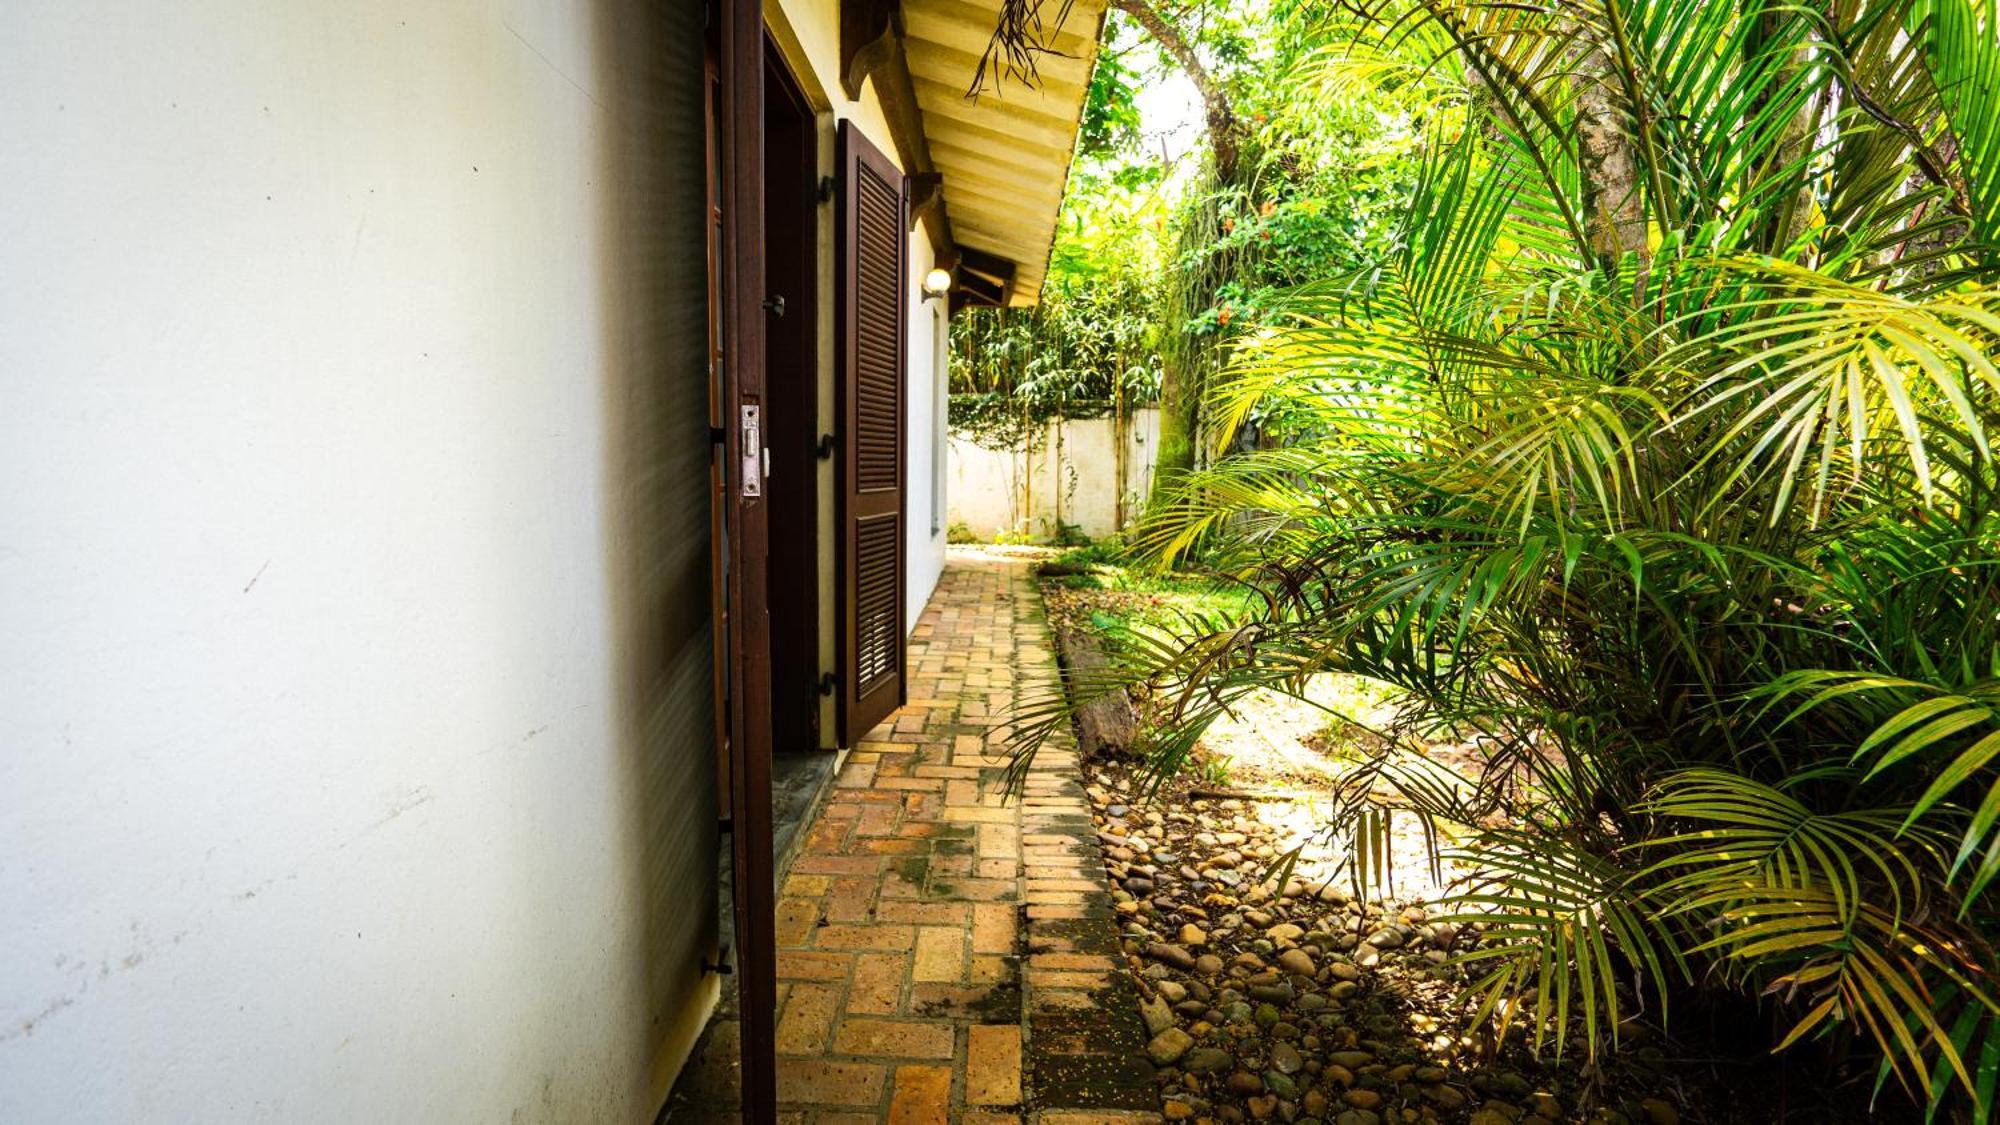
1071, 473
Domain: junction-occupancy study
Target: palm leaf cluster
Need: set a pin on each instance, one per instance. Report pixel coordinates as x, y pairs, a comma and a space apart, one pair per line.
1655, 460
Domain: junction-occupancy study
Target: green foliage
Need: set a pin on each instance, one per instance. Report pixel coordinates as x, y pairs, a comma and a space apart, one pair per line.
1110, 114
1695, 544
1091, 342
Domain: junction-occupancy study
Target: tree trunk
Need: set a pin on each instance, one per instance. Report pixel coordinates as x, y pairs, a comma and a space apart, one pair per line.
1184, 378
1614, 211
1180, 426
1222, 139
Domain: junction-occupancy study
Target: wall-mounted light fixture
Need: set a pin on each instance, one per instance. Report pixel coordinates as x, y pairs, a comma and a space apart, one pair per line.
937, 283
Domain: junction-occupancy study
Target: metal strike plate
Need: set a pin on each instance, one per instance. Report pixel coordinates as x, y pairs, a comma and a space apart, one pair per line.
752, 455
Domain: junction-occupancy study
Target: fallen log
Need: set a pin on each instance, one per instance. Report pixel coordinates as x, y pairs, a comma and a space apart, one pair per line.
1108, 723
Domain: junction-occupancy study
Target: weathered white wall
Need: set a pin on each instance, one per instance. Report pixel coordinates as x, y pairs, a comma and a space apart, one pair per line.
926, 547
1071, 472
353, 586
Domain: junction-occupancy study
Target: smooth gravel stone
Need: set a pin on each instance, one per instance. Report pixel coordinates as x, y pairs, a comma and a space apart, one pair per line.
1171, 955
1168, 1046
1362, 1099
1267, 1015
1192, 934
1444, 1097
1344, 970
1207, 1060
1297, 962
1208, 964
1192, 1009
1139, 884
1385, 939
1276, 1082
1429, 1075
1285, 1059
1343, 990
1284, 931
1311, 1002
1157, 1015
1352, 1060
1173, 990
1244, 1082
1272, 993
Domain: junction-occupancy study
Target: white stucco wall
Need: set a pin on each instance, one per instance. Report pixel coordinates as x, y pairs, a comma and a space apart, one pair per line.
1072, 472
352, 613
928, 331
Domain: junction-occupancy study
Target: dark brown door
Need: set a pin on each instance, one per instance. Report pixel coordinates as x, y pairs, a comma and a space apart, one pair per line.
874, 263
737, 33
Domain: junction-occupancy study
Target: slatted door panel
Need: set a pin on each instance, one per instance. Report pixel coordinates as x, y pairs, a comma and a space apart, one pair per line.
874, 257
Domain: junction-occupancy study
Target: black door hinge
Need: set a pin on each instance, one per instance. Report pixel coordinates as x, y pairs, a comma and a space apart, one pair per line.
825, 447
775, 304
825, 193
827, 684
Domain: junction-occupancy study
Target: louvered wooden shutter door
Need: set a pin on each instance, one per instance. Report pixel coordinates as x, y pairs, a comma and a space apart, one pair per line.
873, 263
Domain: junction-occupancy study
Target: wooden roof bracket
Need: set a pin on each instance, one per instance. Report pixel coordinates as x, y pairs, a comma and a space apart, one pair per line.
870, 32
926, 196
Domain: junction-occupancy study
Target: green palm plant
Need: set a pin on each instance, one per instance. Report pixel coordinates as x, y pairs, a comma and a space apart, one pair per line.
1654, 459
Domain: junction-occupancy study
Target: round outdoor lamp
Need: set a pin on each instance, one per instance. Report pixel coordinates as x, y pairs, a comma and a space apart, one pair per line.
937, 283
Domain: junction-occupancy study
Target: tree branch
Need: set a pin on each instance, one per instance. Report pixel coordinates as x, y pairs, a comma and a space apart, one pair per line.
1222, 126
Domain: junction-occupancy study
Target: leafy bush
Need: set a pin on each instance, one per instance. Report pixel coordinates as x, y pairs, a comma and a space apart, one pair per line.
1652, 456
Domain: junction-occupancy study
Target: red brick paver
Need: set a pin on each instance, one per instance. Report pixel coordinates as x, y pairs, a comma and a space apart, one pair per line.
938, 942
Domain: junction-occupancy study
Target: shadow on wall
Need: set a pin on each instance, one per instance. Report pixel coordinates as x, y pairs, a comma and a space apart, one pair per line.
655, 402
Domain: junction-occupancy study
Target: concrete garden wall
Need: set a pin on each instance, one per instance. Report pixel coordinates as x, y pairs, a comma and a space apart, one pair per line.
1072, 472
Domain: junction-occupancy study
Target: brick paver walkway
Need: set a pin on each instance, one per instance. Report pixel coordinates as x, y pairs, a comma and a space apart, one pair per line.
946, 954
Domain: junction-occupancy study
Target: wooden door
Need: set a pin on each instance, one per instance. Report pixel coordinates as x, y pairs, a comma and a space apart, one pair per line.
737, 149
873, 390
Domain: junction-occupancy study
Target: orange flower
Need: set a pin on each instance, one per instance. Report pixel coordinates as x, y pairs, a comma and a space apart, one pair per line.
1223, 316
